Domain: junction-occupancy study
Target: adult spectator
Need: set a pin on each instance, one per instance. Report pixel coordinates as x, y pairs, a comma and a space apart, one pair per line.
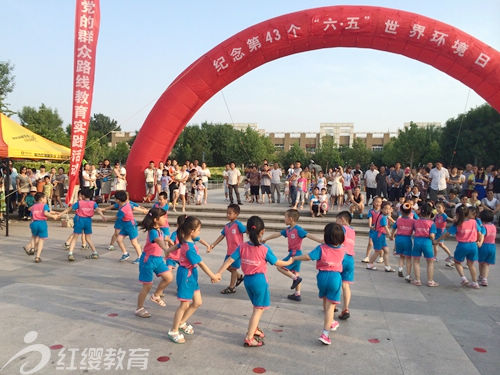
59, 181
181, 178
275, 182
23, 184
150, 177
265, 182
496, 184
456, 180
159, 174
357, 172
119, 177
382, 180
294, 176
423, 182
224, 183
173, 187
480, 183
469, 184
204, 173
253, 177
451, 203
40, 178
396, 179
105, 174
348, 185
86, 179
357, 203
233, 180
439, 177
490, 203
11, 191
371, 182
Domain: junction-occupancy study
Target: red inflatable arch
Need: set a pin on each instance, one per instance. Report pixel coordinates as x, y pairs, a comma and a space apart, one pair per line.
446, 48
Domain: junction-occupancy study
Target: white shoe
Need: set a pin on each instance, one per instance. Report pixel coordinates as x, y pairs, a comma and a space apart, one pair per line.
365, 260
380, 260
111, 247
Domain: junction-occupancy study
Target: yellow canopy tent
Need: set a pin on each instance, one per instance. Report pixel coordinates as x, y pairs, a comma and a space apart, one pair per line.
17, 142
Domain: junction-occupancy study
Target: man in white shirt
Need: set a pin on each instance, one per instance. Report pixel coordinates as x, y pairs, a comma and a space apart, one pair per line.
439, 177
275, 182
233, 180
371, 182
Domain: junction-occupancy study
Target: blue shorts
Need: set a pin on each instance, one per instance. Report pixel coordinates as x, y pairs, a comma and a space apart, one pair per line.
329, 285
235, 265
422, 245
379, 242
258, 290
439, 234
465, 250
347, 273
486, 253
295, 266
404, 245
82, 224
166, 231
129, 229
187, 283
154, 264
39, 229
372, 234
171, 263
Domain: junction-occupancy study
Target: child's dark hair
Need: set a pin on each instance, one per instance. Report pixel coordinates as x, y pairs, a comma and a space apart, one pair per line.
190, 224
474, 210
346, 216
334, 234
461, 214
163, 194
384, 204
180, 220
235, 208
39, 196
255, 225
426, 210
486, 216
121, 195
440, 203
148, 222
293, 214
87, 193
406, 208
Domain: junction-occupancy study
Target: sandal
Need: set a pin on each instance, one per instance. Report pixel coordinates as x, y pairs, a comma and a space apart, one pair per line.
239, 281
259, 333
344, 315
432, 283
228, 290
252, 343
176, 337
28, 251
92, 256
38, 259
416, 282
158, 300
142, 313
186, 328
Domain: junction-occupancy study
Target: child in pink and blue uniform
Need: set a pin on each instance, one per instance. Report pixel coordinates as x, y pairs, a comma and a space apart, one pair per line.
440, 220
39, 230
84, 211
152, 260
295, 234
425, 232
402, 231
381, 228
468, 234
254, 255
329, 257
487, 251
233, 232
163, 204
344, 218
188, 290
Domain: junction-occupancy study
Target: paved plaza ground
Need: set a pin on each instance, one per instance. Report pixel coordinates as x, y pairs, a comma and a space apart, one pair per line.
395, 328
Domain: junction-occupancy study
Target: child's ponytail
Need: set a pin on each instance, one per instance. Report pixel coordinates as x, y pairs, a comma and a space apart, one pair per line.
190, 224
461, 214
148, 222
255, 225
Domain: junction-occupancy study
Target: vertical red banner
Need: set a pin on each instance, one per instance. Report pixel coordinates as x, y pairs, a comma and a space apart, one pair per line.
86, 33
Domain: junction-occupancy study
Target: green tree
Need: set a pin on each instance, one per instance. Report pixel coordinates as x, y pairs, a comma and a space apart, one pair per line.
6, 86
413, 146
328, 154
294, 154
45, 122
222, 139
101, 126
191, 144
476, 135
120, 152
358, 153
251, 147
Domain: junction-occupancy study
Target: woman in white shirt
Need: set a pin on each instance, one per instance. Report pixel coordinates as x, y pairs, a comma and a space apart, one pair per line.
205, 175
